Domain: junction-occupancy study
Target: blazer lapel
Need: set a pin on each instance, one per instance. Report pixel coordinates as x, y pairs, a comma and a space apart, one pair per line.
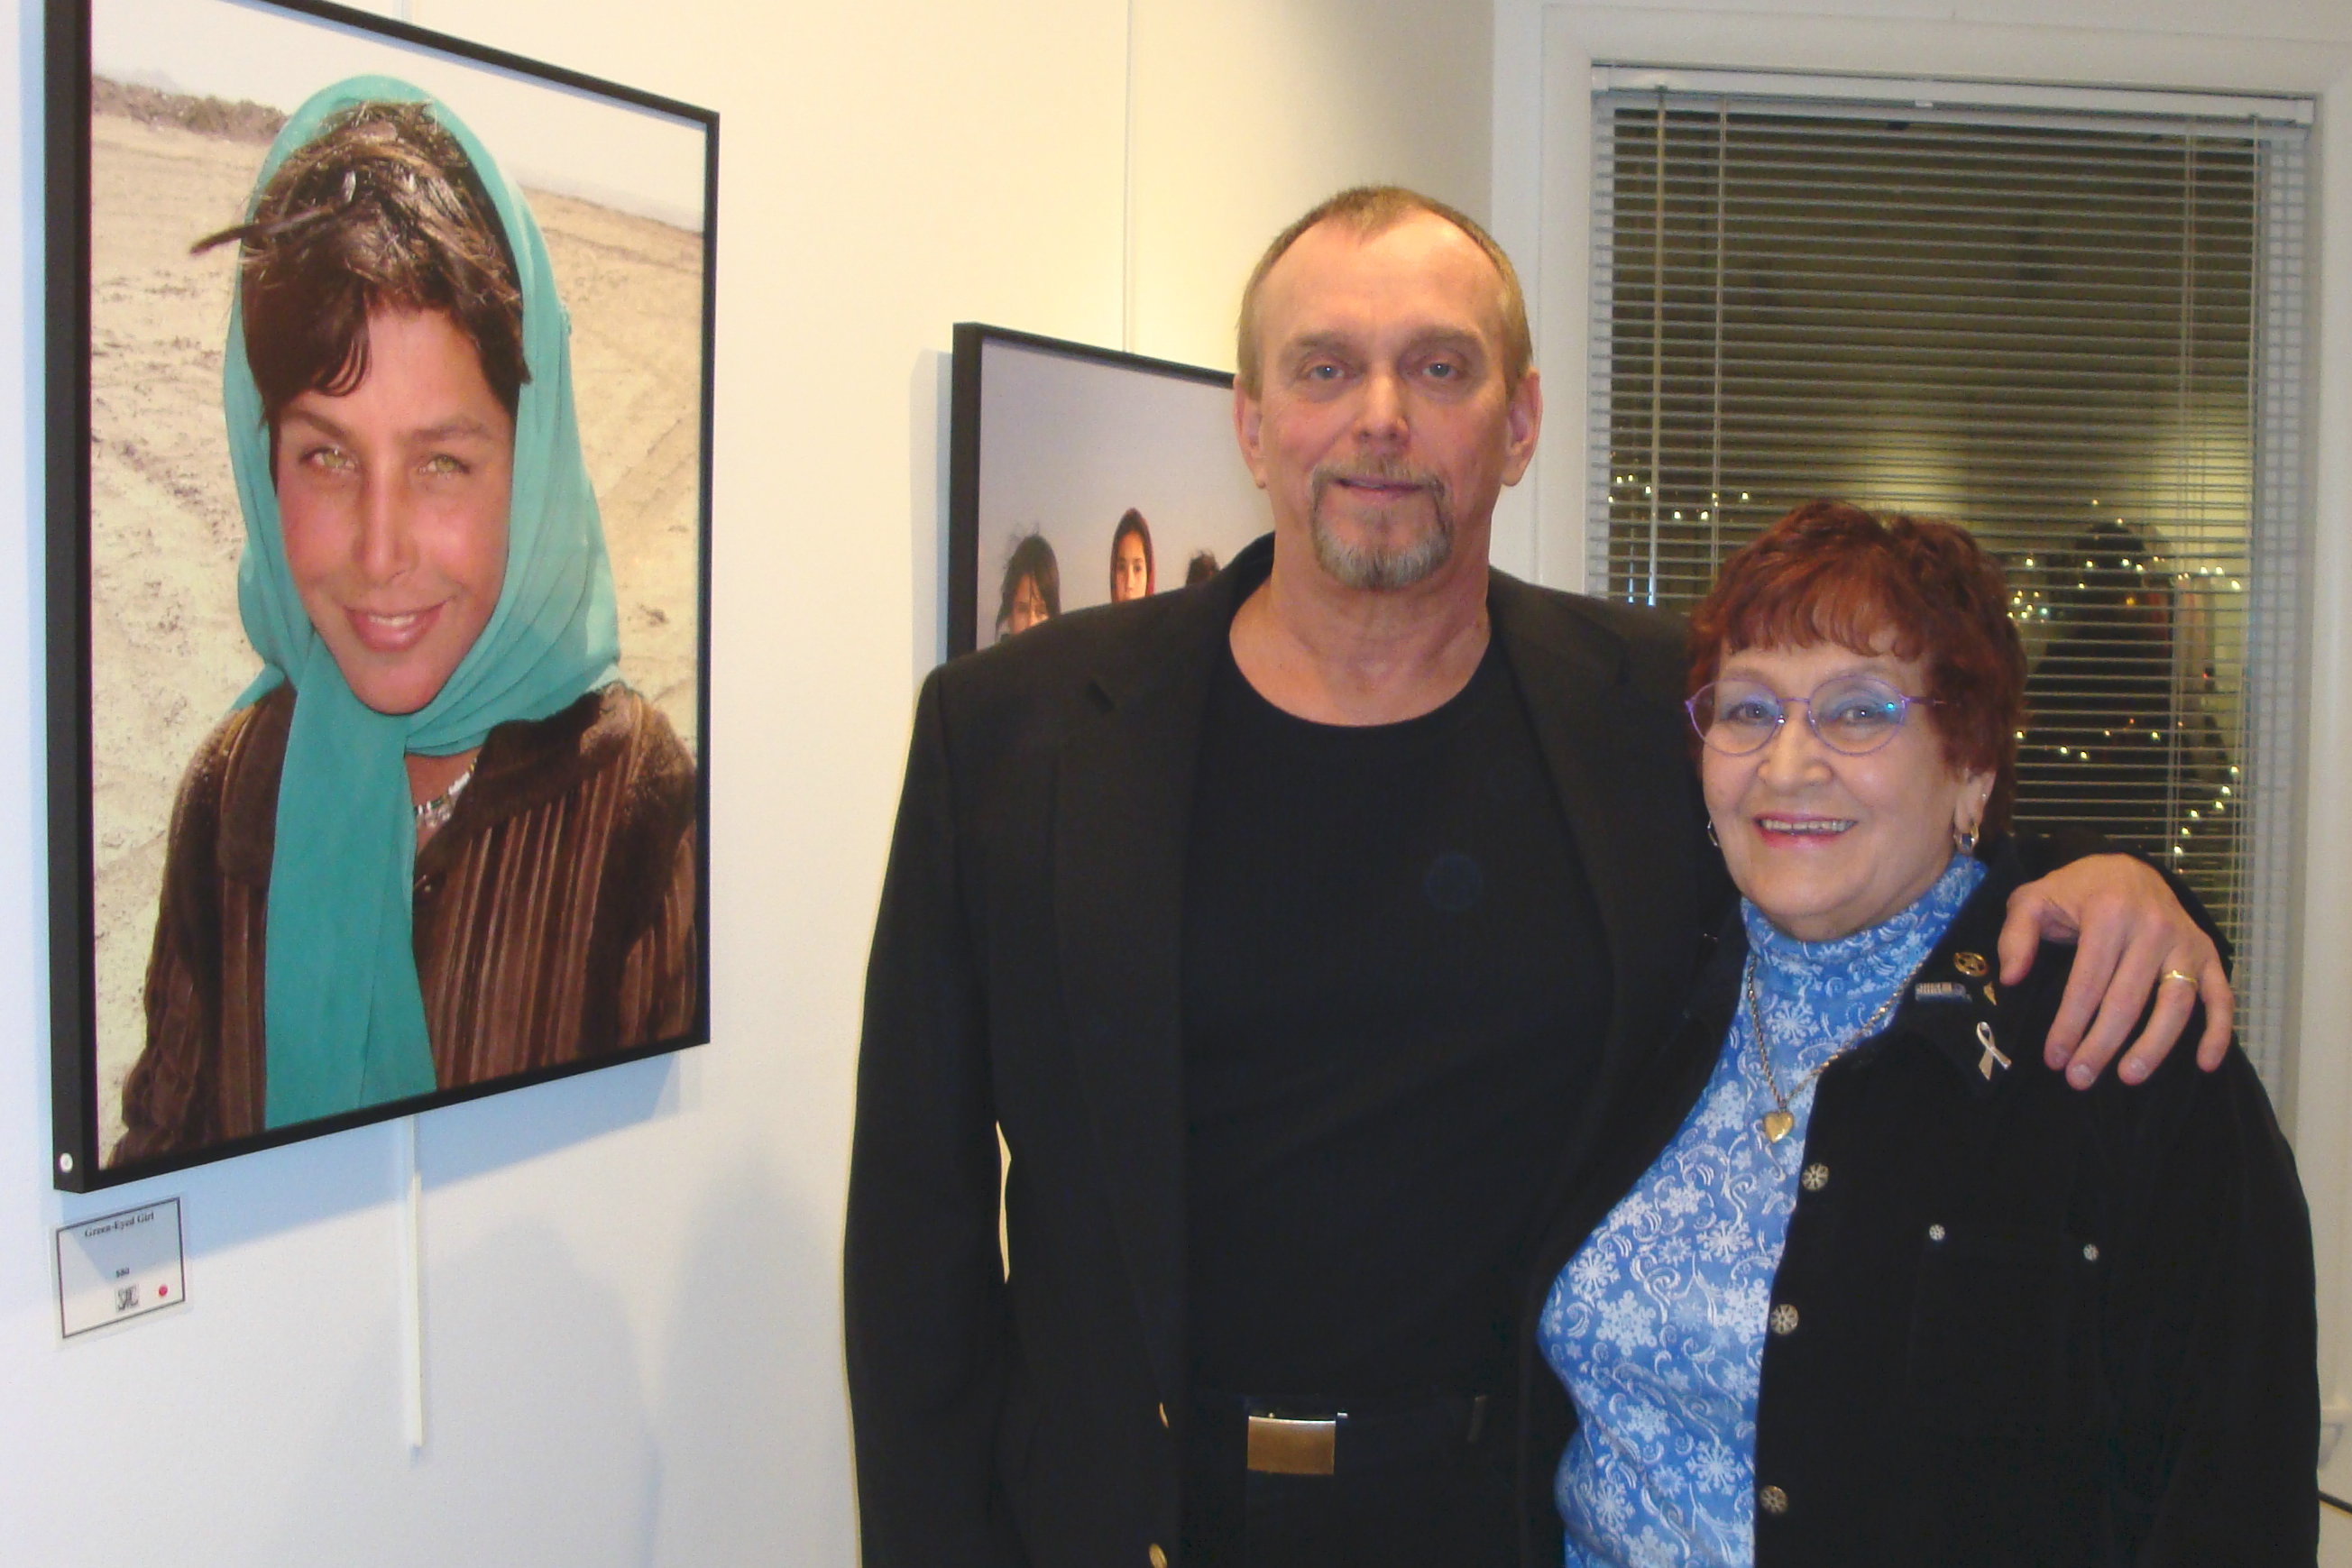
1123, 800
1623, 773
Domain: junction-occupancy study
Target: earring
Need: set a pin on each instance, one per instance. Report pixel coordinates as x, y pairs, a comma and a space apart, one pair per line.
1710, 833
1965, 840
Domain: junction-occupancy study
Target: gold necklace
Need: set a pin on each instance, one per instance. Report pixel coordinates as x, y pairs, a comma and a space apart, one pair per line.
1779, 1121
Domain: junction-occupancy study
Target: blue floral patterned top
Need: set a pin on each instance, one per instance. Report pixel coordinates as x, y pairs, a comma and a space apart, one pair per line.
1657, 1323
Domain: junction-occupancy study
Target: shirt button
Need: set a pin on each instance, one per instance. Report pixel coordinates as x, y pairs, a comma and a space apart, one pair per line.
2090, 1251
1771, 1500
1934, 1233
1158, 1558
1815, 1177
1784, 1319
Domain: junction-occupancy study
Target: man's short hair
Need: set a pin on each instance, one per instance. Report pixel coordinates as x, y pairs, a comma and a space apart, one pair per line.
381, 210
1365, 211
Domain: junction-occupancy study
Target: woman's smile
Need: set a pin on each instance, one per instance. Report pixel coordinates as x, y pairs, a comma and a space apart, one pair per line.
1798, 828
390, 631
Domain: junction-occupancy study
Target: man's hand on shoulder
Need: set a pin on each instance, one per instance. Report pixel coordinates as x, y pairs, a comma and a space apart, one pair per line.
2131, 935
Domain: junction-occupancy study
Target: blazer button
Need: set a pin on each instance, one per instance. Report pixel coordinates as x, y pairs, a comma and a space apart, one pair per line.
1163, 1415
1784, 1319
1815, 1178
1158, 1558
1771, 1500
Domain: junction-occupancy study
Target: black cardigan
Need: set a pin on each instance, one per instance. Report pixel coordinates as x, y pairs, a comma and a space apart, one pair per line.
2033, 1324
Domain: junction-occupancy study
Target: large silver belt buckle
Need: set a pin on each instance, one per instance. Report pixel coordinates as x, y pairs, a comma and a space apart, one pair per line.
1286, 1445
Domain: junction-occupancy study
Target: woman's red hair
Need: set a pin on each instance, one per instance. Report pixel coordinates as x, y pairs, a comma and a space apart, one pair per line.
1911, 587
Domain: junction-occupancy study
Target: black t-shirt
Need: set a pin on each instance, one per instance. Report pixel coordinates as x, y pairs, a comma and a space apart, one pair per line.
1394, 998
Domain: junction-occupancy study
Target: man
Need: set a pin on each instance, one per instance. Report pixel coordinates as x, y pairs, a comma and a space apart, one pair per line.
1297, 932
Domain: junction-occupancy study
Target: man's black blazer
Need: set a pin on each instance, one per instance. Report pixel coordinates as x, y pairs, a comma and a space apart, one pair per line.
1025, 976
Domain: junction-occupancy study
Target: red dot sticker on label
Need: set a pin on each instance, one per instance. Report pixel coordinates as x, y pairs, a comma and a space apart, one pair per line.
163, 1290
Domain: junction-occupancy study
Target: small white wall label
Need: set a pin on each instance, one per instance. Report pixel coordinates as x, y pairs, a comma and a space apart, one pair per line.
120, 1266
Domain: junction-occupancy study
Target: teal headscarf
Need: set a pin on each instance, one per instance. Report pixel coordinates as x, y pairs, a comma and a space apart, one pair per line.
344, 1013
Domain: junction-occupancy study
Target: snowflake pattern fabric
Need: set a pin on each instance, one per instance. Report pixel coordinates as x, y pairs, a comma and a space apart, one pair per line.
1657, 1323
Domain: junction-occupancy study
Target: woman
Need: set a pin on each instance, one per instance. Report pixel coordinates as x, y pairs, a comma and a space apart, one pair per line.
1875, 1285
1132, 573
1031, 592
466, 850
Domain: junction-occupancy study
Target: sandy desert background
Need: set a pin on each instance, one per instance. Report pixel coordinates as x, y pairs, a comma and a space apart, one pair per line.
168, 653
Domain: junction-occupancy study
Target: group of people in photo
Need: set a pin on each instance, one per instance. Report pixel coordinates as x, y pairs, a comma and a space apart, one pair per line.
1031, 590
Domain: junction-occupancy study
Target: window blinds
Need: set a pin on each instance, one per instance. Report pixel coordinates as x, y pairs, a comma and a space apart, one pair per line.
2077, 332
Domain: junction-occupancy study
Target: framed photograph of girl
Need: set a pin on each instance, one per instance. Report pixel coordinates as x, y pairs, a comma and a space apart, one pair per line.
379, 379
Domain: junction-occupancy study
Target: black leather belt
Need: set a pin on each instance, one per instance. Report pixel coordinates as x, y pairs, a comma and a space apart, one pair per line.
1294, 1437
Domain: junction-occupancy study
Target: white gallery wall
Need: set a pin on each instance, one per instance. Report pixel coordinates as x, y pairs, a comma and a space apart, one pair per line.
630, 1322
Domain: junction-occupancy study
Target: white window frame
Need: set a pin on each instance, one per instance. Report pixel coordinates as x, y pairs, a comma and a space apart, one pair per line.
1545, 55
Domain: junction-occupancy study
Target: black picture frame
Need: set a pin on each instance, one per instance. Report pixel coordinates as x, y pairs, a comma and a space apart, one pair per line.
1062, 439
671, 201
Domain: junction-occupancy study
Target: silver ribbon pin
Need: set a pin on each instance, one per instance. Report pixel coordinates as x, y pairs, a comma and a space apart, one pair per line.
1992, 1051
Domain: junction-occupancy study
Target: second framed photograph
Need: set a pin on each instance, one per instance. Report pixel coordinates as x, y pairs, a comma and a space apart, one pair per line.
379, 463
1080, 475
